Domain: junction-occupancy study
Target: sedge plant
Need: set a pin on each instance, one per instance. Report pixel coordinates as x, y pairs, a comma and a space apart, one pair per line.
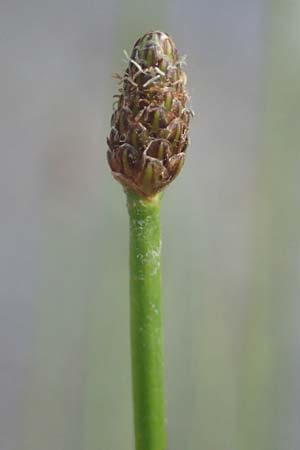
147, 146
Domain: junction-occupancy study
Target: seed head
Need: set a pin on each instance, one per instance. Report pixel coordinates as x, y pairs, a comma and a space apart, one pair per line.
149, 133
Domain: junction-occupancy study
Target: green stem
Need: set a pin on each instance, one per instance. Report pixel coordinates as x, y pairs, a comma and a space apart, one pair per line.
146, 324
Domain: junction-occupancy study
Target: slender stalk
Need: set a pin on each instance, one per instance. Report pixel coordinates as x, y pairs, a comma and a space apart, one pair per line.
146, 323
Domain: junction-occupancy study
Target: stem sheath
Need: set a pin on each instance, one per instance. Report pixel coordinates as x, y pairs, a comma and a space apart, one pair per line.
146, 324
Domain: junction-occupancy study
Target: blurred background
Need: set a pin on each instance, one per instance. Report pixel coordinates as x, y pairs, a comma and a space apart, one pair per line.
230, 224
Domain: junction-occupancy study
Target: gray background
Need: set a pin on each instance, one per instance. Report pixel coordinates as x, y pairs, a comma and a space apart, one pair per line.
231, 242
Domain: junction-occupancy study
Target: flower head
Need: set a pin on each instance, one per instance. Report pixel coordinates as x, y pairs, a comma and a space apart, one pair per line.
149, 133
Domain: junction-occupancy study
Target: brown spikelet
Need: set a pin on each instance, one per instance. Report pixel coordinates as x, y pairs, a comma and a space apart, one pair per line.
149, 126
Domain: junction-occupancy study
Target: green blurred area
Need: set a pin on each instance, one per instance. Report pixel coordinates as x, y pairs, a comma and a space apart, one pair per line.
231, 245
